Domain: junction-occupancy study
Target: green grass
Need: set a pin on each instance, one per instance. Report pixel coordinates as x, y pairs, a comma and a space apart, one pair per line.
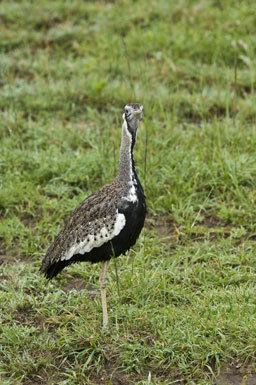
187, 307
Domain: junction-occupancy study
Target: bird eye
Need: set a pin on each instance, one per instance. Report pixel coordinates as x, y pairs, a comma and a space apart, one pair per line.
126, 110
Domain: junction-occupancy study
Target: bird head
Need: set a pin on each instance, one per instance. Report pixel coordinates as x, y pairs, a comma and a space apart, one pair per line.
133, 115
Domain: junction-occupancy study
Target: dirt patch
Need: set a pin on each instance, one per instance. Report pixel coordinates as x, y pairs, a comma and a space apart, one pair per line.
78, 283
164, 225
106, 377
28, 220
40, 379
8, 258
111, 374
26, 315
36, 382
211, 221
3, 256
74, 283
168, 229
4, 277
234, 376
8, 255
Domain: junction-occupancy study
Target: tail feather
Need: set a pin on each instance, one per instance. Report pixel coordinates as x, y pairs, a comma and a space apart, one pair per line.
52, 263
51, 269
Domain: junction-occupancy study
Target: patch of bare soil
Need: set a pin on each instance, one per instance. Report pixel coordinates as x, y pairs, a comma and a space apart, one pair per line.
211, 221
7, 257
78, 283
116, 378
164, 225
36, 382
215, 227
28, 220
25, 315
3, 255
105, 376
234, 376
40, 379
111, 374
74, 283
168, 229
4, 277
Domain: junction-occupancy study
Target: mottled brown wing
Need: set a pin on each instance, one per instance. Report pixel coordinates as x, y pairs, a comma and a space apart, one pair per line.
91, 224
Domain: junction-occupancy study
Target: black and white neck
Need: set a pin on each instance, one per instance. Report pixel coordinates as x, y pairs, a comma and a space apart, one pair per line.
126, 163
132, 115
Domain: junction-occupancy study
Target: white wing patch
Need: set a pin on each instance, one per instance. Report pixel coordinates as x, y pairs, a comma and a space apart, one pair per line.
97, 239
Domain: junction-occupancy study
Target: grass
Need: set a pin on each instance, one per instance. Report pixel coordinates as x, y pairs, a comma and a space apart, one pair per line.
186, 310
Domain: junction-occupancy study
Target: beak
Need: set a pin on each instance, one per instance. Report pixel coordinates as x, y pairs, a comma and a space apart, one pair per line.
137, 112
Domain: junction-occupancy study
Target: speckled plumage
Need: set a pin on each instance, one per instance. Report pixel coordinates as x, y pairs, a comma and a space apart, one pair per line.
108, 222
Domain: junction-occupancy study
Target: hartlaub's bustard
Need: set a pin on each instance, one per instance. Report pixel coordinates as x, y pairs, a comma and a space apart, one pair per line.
109, 221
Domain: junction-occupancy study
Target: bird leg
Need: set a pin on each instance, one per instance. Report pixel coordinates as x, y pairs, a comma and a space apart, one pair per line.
103, 284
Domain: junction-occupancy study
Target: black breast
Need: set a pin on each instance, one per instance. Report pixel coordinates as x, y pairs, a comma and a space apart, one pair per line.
135, 216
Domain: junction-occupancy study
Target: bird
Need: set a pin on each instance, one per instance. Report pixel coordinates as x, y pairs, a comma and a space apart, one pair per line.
108, 222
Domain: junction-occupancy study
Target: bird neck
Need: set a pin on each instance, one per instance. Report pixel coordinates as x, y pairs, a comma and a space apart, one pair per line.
126, 165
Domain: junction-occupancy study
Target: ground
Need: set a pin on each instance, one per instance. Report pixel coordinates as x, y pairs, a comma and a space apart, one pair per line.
185, 309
